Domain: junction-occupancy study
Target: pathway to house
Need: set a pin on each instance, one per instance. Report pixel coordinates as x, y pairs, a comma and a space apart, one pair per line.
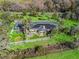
27, 41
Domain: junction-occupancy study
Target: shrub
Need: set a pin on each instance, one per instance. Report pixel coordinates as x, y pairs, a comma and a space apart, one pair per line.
16, 7
6, 5
49, 5
34, 37
38, 4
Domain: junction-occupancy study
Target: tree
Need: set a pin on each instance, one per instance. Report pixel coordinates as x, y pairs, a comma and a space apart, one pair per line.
6, 5
49, 5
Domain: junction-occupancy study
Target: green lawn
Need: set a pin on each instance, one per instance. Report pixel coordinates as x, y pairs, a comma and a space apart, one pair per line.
56, 38
69, 23
27, 45
71, 54
60, 37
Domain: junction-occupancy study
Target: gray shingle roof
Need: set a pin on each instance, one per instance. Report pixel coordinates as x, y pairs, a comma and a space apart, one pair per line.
47, 24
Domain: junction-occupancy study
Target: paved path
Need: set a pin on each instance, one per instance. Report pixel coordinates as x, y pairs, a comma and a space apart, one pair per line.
27, 41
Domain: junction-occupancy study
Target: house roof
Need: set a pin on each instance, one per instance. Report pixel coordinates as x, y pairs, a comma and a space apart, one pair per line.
47, 24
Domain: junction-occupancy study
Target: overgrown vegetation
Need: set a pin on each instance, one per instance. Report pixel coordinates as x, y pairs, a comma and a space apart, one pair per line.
66, 17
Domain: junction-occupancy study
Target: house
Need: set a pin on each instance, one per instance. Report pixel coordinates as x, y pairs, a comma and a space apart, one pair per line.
41, 28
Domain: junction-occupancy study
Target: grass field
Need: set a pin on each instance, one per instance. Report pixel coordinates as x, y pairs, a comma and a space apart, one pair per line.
56, 38
27, 45
71, 54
